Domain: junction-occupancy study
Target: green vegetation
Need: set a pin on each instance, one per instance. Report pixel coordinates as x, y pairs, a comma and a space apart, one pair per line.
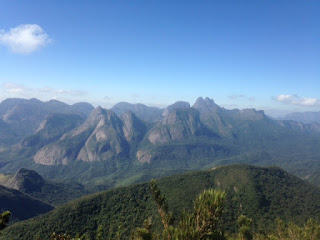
21, 205
263, 194
4, 219
201, 223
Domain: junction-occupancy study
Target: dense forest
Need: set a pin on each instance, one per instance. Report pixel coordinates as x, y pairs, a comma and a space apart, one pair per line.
261, 194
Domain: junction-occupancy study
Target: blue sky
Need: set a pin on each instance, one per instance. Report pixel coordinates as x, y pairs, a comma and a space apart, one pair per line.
261, 54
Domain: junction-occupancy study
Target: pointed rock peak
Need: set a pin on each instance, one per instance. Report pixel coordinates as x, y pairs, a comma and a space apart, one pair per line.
199, 100
205, 105
176, 105
98, 111
96, 115
209, 101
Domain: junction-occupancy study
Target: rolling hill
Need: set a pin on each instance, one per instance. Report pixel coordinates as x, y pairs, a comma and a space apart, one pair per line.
261, 193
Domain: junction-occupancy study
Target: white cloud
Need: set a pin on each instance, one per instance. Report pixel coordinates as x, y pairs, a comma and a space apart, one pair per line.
17, 90
25, 38
296, 100
63, 92
14, 88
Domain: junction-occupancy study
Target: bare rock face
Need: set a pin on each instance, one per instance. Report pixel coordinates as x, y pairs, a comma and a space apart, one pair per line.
101, 137
133, 128
143, 156
52, 155
106, 142
178, 125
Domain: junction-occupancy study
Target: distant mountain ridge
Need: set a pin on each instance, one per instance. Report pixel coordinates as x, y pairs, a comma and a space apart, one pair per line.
145, 113
304, 117
24, 116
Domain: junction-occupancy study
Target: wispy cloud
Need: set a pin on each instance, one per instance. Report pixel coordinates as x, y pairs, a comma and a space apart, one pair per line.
242, 96
14, 88
24, 39
19, 89
61, 91
296, 100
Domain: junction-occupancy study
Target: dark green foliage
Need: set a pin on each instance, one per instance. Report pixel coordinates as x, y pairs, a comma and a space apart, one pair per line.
64, 236
310, 230
143, 233
314, 178
201, 223
261, 193
244, 224
21, 206
4, 219
52, 192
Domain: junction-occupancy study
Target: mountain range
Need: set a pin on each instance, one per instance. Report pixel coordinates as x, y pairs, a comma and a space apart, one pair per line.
132, 142
22, 117
304, 117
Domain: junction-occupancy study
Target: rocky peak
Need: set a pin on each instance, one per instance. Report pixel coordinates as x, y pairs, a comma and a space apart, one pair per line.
206, 105
251, 114
178, 125
96, 115
26, 181
176, 105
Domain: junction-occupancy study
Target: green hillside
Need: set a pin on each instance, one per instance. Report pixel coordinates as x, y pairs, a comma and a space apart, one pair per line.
22, 206
260, 193
52, 192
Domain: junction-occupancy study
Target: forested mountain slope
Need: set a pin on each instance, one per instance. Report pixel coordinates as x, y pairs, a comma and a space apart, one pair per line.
260, 193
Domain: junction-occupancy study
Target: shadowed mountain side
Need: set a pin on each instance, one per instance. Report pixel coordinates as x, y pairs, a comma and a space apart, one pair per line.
21, 205
52, 192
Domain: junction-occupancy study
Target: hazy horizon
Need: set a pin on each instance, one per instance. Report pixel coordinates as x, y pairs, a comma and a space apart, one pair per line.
262, 55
